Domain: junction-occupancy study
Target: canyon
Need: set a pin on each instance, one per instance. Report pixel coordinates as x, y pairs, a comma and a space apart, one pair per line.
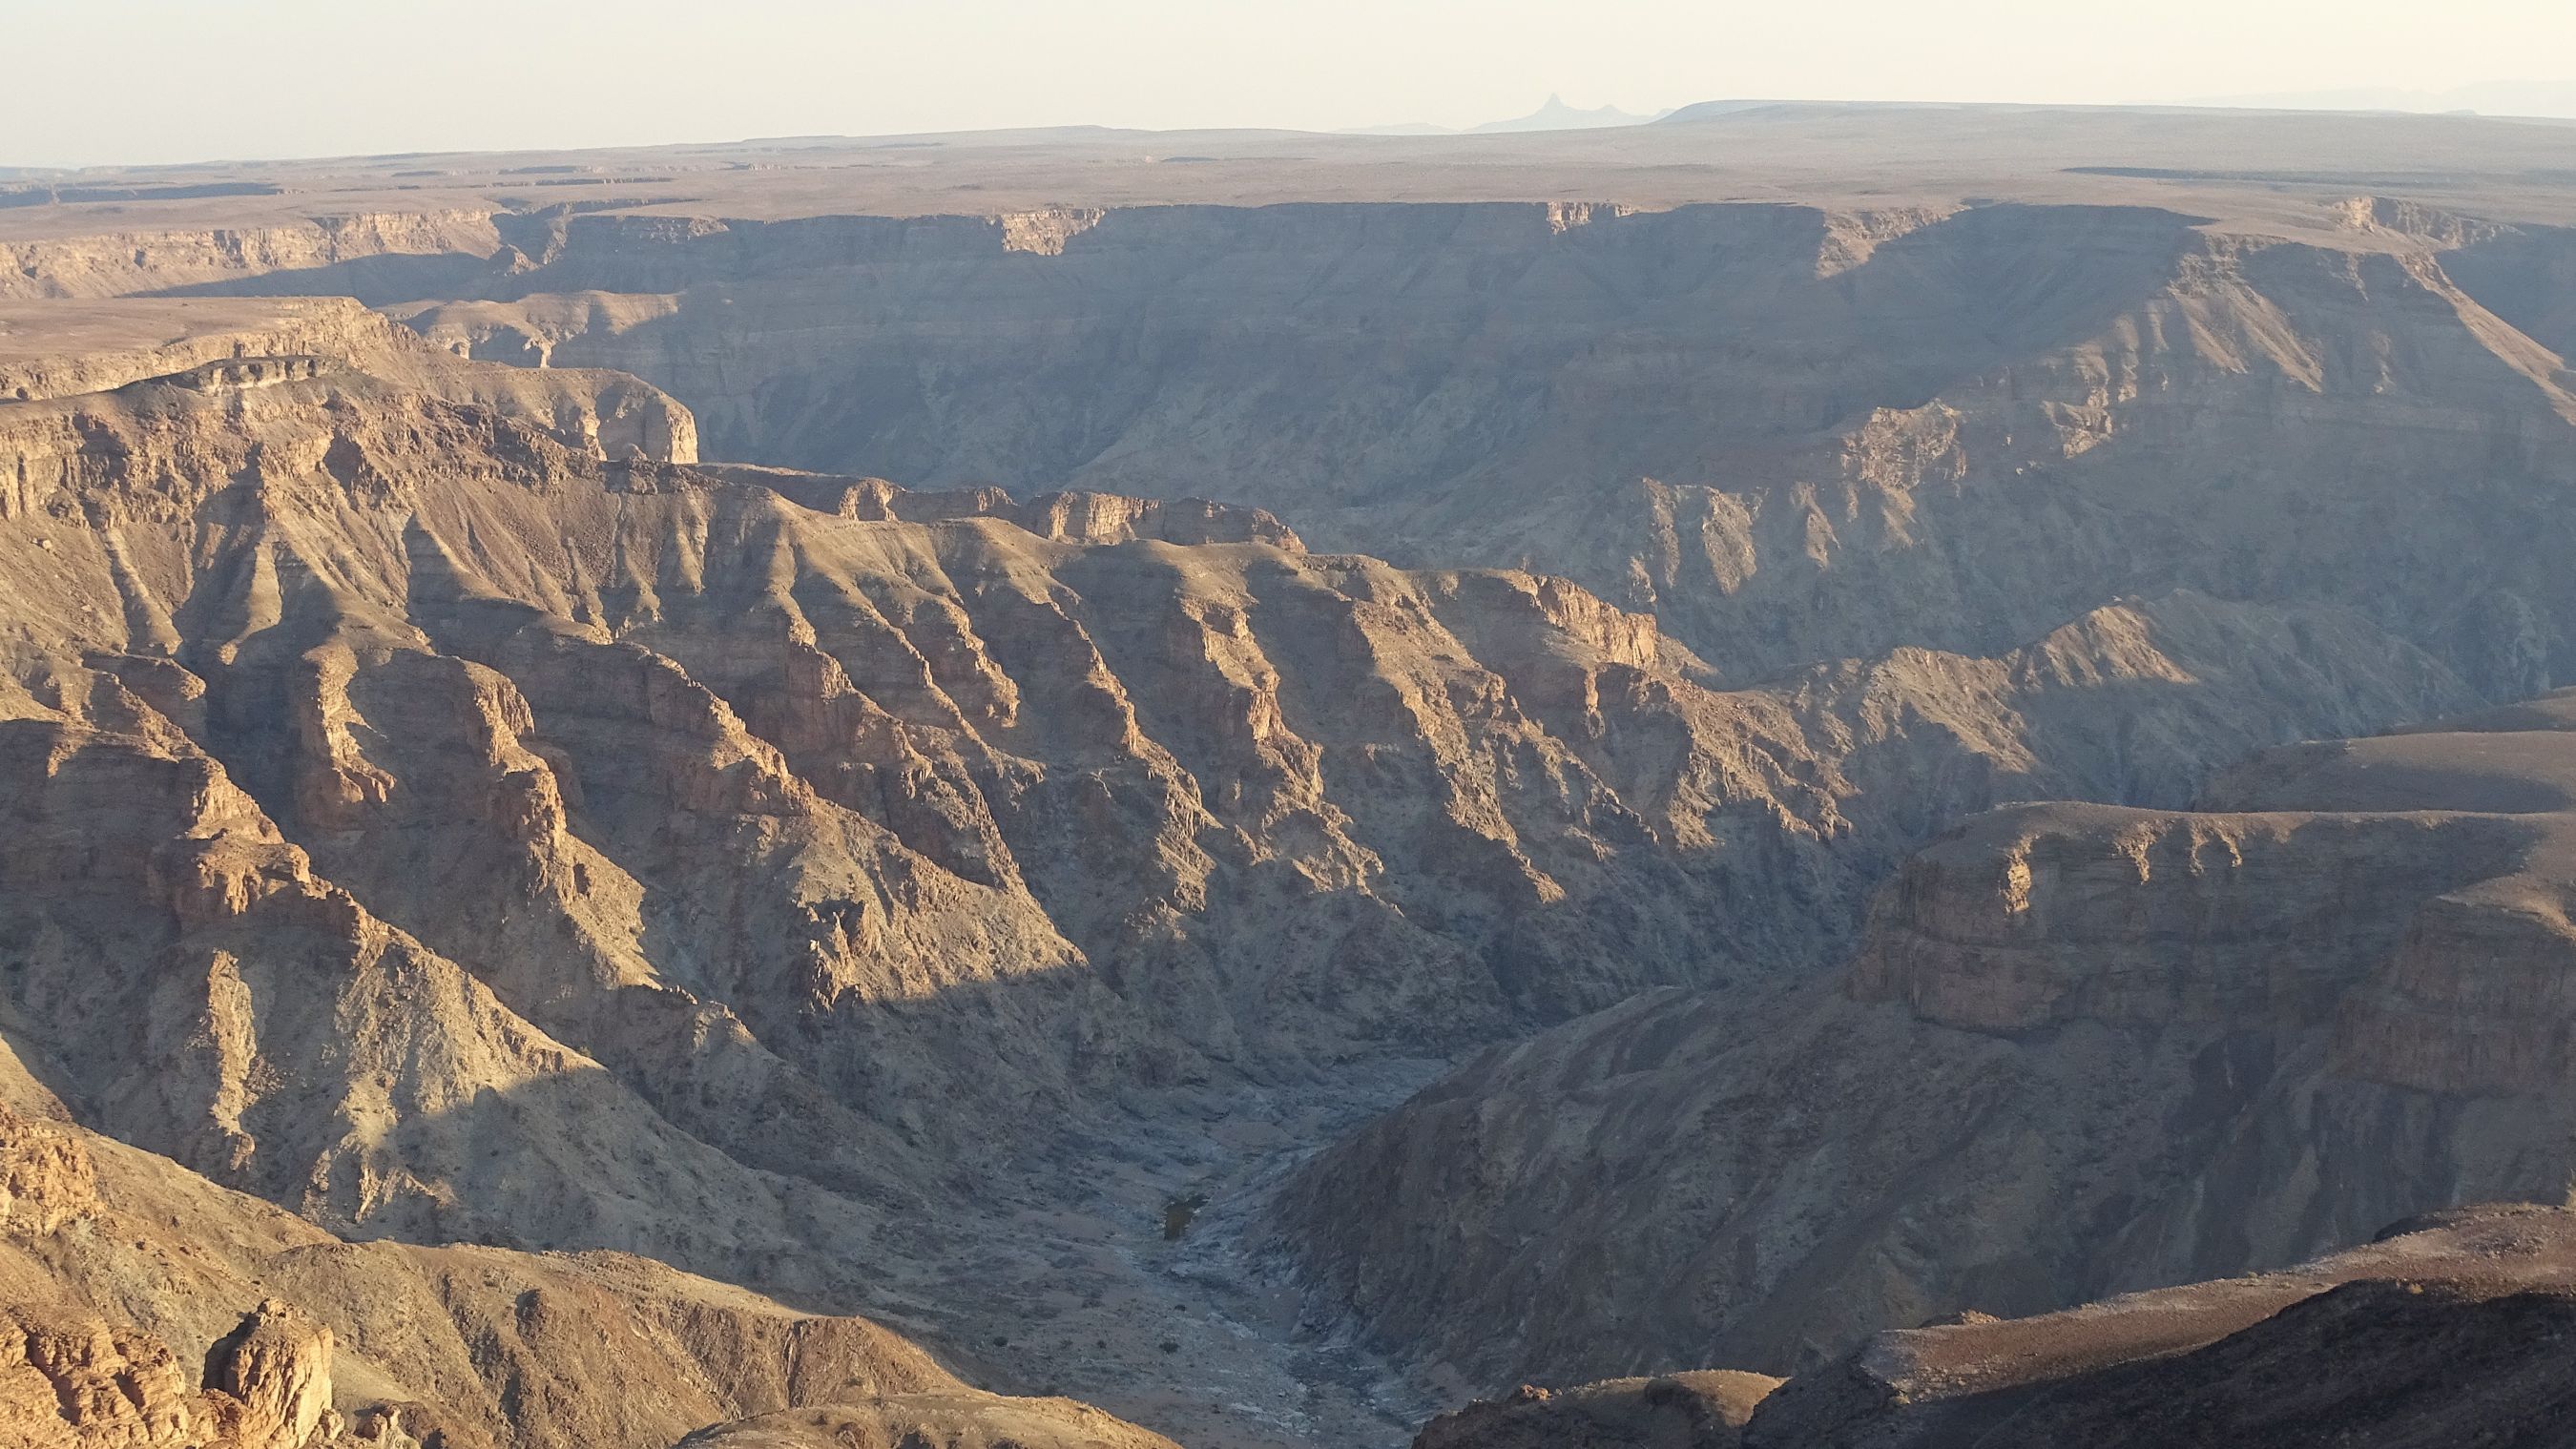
1273, 782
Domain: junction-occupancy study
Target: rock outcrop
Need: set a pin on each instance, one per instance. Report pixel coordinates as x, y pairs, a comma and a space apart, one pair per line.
74, 1378
92, 261
46, 1176
52, 350
277, 1366
70, 1382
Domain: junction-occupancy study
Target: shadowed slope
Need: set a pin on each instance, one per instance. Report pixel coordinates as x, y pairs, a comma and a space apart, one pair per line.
121, 1270
2442, 1331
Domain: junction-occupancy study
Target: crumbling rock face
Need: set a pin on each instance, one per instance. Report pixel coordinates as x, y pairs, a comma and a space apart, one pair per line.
277, 1365
491, 840
433, 800
743, 807
55, 350
114, 264
2046, 915
1791, 432
73, 1383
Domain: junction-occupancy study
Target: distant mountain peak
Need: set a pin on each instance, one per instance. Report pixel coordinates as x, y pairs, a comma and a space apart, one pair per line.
1552, 115
1556, 115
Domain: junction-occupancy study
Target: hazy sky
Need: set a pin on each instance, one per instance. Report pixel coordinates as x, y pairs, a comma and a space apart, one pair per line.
94, 81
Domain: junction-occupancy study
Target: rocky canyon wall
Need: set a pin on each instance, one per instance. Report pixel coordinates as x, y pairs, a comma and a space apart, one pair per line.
2081, 1050
1792, 433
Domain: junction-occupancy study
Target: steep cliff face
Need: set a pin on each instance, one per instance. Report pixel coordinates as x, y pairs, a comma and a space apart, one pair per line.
2081, 1049
220, 1003
114, 261
62, 349
73, 1382
435, 641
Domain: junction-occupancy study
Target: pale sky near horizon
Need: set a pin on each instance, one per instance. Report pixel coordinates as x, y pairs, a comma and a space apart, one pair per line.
149, 81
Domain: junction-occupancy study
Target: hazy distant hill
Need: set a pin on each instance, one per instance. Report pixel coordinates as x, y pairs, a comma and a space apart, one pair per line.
2498, 98
1556, 115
